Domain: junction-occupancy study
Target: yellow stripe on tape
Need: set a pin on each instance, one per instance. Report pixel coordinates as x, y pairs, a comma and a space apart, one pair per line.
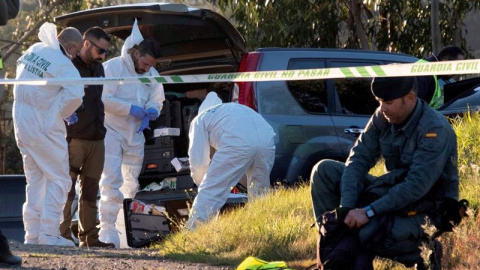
392, 70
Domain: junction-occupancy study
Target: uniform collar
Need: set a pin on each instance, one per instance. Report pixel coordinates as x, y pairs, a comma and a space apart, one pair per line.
411, 124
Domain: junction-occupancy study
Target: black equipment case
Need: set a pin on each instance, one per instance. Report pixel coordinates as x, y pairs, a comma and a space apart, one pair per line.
143, 229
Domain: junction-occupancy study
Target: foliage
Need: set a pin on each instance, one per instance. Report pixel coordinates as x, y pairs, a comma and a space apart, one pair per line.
287, 23
397, 26
405, 26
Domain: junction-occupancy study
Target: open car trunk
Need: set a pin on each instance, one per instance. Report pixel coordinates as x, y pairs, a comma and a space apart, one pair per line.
193, 41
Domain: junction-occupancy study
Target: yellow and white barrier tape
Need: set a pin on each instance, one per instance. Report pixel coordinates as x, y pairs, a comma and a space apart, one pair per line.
392, 70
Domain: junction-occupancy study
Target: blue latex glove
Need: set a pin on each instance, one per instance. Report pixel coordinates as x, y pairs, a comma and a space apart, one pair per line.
72, 119
144, 124
152, 113
137, 112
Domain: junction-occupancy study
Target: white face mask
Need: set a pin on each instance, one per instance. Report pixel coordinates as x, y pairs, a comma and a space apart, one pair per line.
66, 52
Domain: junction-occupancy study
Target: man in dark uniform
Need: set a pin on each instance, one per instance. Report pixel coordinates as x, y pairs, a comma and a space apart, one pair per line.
6, 257
419, 147
85, 135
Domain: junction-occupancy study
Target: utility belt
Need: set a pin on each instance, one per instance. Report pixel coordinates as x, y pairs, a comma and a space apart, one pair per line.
429, 204
445, 213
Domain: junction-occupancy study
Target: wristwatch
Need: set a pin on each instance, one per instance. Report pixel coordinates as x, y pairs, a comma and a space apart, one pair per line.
369, 211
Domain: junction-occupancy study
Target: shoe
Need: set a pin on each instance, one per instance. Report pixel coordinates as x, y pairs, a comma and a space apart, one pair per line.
97, 243
55, 241
10, 259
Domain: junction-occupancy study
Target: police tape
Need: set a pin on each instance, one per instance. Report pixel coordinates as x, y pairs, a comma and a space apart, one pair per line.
391, 70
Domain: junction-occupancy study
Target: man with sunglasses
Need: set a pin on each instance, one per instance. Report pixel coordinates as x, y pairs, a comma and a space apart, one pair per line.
85, 136
128, 110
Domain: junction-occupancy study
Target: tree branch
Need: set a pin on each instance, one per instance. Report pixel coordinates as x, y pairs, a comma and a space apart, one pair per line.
29, 33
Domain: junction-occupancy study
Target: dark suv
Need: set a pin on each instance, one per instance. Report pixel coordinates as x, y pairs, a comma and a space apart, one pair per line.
313, 120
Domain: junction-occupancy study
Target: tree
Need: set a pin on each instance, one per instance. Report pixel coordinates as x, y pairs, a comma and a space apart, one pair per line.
287, 23
397, 26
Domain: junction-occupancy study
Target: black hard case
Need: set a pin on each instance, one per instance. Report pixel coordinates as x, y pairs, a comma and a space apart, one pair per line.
143, 229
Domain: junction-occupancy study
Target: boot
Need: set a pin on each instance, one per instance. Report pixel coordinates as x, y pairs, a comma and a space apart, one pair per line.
92, 241
88, 231
96, 243
6, 257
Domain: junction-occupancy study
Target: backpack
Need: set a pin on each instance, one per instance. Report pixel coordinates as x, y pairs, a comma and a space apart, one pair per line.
337, 245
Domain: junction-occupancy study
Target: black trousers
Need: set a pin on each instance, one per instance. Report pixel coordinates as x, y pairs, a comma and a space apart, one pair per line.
4, 248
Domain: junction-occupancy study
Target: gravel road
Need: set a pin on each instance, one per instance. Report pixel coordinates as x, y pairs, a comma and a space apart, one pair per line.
70, 258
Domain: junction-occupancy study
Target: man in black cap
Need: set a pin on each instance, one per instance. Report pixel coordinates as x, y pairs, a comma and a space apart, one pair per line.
419, 148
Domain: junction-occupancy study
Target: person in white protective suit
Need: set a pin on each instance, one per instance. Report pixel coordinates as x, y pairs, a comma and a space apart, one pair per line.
38, 113
128, 110
243, 143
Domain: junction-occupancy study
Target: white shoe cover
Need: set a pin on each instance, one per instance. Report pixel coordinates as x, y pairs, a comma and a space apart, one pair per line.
55, 241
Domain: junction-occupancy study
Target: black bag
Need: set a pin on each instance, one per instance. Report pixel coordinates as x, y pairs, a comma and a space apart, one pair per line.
337, 245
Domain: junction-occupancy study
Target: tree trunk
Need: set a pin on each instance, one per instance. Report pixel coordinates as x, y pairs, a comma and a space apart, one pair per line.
457, 38
436, 39
355, 12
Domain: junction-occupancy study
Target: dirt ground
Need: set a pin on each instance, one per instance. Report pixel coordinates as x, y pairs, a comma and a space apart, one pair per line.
69, 258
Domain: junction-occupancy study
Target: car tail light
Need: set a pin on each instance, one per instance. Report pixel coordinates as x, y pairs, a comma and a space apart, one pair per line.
151, 166
250, 62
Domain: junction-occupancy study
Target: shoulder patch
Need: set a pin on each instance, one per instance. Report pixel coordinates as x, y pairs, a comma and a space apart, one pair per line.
431, 135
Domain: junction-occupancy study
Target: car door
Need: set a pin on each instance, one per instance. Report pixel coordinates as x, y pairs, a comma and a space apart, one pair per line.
298, 111
354, 103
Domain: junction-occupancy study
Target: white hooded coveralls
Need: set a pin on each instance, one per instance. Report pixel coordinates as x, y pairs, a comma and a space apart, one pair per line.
38, 113
244, 144
124, 147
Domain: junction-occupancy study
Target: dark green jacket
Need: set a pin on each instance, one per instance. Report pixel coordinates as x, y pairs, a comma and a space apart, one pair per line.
423, 151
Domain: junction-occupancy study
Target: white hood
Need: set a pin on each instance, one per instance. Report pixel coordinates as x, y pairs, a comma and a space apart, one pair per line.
211, 100
134, 39
48, 35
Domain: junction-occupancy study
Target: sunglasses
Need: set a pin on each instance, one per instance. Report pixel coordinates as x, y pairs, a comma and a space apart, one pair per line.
100, 50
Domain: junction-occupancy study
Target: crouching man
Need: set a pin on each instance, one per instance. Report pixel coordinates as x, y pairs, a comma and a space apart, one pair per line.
244, 145
420, 151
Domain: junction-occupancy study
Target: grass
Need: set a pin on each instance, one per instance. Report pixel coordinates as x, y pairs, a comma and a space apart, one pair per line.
43, 255
274, 227
277, 226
